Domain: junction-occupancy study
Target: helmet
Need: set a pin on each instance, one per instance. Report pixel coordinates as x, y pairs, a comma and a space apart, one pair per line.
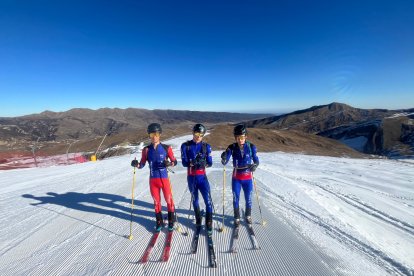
240, 130
154, 127
199, 128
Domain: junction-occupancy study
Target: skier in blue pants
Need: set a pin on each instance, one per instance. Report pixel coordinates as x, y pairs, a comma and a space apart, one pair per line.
196, 157
245, 162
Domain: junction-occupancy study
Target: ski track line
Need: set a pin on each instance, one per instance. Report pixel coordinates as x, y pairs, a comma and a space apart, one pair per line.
372, 190
376, 255
367, 209
406, 227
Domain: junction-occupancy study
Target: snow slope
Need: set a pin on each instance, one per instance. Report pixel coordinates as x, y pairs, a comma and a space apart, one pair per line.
325, 216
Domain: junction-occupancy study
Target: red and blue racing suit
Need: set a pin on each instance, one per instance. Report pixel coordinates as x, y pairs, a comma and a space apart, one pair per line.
158, 174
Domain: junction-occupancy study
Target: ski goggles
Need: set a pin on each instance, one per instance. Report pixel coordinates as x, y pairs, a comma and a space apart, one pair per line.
154, 134
198, 134
241, 137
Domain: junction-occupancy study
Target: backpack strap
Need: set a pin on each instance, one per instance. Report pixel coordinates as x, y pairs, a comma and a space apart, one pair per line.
188, 147
204, 148
250, 148
165, 148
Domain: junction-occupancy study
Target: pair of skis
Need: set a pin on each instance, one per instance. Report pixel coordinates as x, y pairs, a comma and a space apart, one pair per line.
167, 247
211, 252
235, 237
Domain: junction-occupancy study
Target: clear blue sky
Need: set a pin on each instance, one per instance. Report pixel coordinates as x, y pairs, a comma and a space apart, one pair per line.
244, 56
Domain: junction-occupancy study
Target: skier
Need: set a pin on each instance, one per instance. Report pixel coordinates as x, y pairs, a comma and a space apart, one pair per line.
157, 155
196, 157
245, 162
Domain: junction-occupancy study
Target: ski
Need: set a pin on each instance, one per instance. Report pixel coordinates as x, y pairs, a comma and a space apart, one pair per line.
194, 243
235, 239
149, 248
167, 247
211, 253
252, 236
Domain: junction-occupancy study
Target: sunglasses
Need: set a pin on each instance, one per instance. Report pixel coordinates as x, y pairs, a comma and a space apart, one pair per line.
240, 136
198, 134
154, 134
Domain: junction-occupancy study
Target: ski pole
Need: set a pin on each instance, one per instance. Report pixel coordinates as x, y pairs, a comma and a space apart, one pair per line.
192, 196
132, 204
258, 202
224, 188
191, 202
175, 211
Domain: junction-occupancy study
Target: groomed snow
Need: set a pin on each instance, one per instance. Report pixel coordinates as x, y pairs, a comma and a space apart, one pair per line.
325, 216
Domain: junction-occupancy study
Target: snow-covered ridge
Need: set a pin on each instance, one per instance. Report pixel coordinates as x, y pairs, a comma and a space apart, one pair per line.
402, 114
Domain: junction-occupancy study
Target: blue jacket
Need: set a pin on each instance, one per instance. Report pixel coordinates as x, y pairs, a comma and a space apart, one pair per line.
242, 159
192, 153
156, 158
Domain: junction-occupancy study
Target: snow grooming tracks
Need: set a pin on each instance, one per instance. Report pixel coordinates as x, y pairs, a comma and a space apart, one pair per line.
336, 233
354, 202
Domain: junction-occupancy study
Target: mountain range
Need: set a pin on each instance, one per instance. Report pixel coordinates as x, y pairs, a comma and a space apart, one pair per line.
372, 131
334, 129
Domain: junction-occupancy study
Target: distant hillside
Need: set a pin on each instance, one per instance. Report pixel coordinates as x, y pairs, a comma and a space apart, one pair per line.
55, 130
270, 140
79, 124
373, 131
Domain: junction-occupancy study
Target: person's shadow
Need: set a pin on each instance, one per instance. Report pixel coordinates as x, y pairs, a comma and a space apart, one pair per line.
100, 203
109, 204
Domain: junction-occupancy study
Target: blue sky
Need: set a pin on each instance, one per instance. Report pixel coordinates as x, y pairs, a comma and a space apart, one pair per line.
243, 56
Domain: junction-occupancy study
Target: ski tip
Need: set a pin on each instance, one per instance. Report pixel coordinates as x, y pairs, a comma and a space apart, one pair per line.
264, 223
130, 237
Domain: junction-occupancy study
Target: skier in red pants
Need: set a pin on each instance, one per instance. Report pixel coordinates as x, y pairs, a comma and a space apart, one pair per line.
157, 155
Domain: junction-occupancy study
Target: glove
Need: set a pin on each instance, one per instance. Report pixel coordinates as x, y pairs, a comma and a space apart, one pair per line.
134, 163
223, 158
202, 163
167, 163
253, 167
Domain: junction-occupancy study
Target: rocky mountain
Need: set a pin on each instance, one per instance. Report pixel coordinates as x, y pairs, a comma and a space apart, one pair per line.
372, 131
271, 140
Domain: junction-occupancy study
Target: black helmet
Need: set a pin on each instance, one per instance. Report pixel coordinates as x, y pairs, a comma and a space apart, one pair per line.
240, 130
154, 127
199, 128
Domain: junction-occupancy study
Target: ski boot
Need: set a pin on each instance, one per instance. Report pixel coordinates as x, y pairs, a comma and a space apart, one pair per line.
158, 222
236, 217
171, 221
209, 223
248, 215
